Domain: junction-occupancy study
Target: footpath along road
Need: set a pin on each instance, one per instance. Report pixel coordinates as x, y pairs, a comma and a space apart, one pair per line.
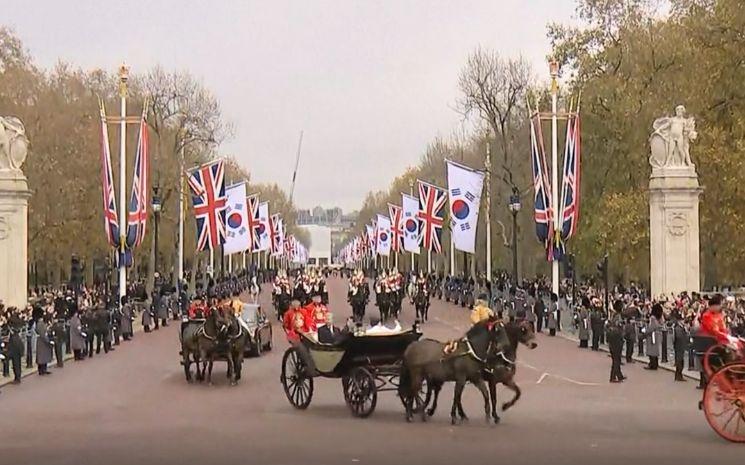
133, 406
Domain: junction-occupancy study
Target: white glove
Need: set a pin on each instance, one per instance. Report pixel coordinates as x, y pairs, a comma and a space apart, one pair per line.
733, 342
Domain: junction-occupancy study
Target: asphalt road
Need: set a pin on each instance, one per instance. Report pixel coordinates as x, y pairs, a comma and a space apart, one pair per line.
133, 406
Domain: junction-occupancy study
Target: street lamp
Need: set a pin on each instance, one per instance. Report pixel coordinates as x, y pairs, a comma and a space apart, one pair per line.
514, 208
157, 206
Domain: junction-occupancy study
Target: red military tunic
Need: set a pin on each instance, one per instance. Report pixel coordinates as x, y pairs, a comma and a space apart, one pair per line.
288, 323
712, 324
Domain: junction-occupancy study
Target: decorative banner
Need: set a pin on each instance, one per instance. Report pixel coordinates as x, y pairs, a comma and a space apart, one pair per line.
238, 235
370, 239
207, 184
410, 208
397, 232
252, 202
570, 182
384, 235
138, 203
431, 202
278, 234
543, 212
263, 231
464, 187
111, 219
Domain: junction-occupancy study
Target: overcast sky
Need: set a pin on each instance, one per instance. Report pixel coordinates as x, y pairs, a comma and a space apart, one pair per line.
369, 82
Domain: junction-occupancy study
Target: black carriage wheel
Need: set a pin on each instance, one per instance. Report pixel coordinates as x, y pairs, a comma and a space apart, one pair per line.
361, 393
297, 384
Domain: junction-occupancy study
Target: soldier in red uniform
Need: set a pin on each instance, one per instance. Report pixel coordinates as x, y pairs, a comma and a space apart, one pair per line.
295, 321
713, 325
316, 312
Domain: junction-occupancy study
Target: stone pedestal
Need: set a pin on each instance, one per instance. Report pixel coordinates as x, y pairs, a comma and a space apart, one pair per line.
14, 196
674, 230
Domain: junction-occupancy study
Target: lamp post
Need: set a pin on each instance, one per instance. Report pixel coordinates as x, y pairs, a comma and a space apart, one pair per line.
514, 208
156, 216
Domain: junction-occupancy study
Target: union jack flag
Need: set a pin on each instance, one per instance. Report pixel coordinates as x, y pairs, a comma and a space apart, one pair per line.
254, 222
110, 218
432, 199
137, 218
207, 185
275, 226
397, 228
570, 183
543, 212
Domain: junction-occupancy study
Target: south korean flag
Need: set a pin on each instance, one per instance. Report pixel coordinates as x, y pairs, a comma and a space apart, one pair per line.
464, 190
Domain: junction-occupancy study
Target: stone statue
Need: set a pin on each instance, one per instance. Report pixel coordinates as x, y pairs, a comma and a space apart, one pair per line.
13, 143
671, 139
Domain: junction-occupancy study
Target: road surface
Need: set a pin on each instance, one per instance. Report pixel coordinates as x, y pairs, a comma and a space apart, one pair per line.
133, 406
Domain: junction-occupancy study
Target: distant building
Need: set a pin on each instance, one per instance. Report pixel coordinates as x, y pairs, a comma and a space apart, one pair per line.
329, 229
319, 252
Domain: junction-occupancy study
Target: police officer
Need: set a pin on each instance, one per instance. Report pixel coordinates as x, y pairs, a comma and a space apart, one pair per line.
597, 324
629, 335
681, 341
583, 323
615, 346
15, 343
77, 337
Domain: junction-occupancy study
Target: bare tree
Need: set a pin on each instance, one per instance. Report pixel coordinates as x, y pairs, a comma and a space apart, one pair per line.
494, 89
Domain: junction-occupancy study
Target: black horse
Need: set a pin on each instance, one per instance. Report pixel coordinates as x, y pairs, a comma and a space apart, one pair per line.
358, 300
236, 347
428, 360
384, 301
498, 370
421, 303
212, 337
282, 303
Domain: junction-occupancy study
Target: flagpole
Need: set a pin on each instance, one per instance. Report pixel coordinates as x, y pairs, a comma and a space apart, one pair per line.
411, 193
180, 264
554, 69
429, 261
123, 77
452, 253
487, 166
212, 262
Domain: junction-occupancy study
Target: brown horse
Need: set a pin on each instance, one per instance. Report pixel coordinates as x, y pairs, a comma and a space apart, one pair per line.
212, 336
236, 347
427, 360
499, 369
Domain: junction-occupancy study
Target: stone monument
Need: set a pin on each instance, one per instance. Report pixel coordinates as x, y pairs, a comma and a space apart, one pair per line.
14, 196
673, 206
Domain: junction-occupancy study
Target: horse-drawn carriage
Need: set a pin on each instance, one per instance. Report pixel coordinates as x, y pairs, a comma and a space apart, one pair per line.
366, 364
259, 329
724, 397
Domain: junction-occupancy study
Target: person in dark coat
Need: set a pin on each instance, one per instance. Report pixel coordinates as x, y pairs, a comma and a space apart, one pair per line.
15, 343
681, 342
160, 304
116, 323
615, 346
44, 348
597, 324
629, 335
654, 337
583, 323
539, 308
147, 318
77, 337
127, 319
553, 315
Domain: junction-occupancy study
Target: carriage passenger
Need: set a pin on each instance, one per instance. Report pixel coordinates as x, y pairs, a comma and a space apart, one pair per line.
481, 310
294, 321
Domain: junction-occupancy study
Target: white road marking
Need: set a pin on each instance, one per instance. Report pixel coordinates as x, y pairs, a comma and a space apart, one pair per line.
564, 378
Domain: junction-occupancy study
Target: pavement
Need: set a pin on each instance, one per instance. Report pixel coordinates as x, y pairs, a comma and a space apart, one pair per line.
133, 406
